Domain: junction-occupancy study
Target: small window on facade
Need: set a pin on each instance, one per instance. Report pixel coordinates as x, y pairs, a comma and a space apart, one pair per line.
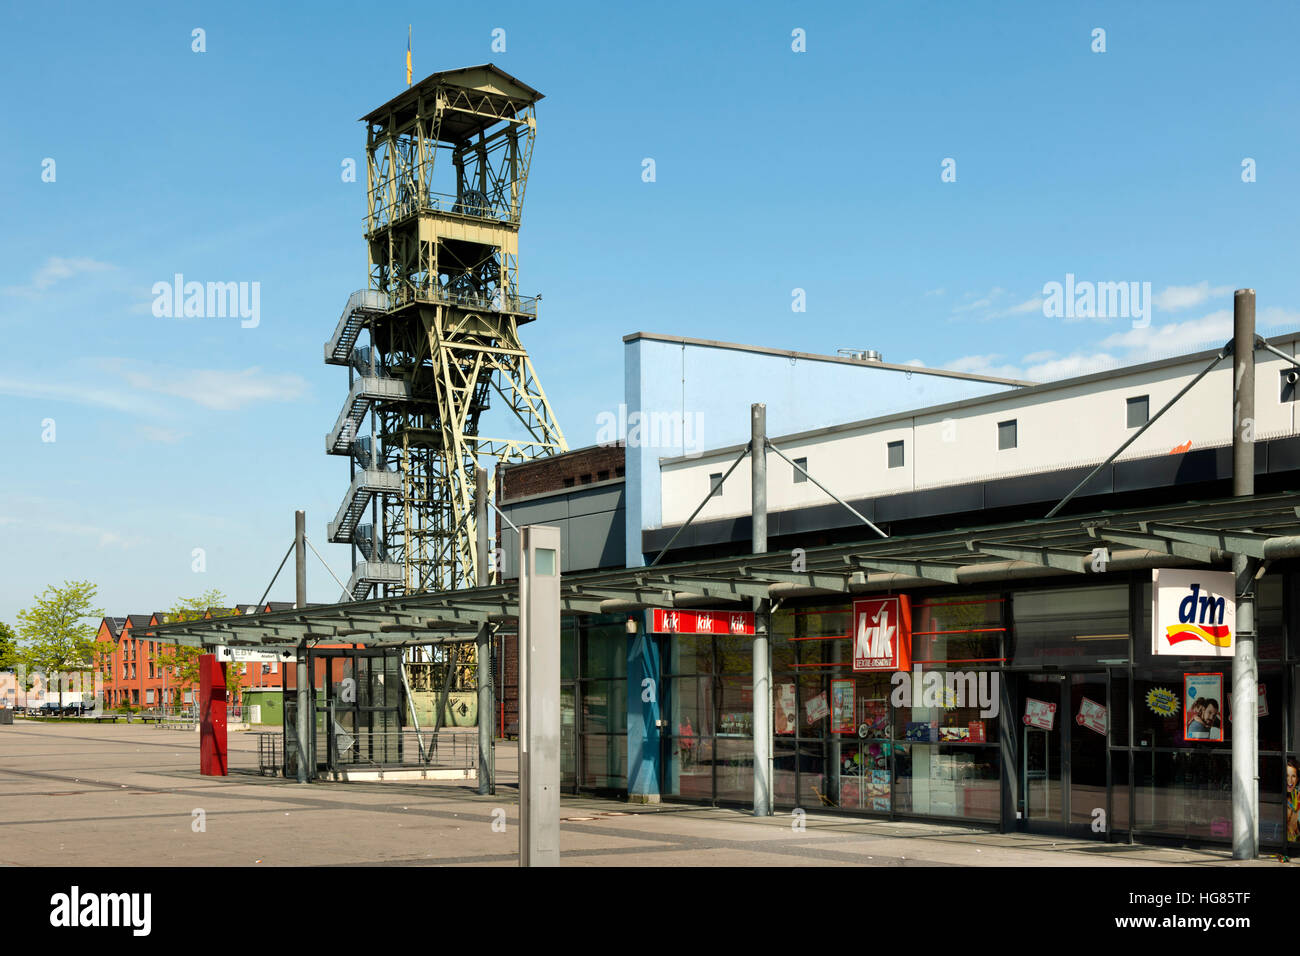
618, 472
586, 479
1139, 410
1289, 378
799, 476
1006, 435
895, 454
602, 476
715, 485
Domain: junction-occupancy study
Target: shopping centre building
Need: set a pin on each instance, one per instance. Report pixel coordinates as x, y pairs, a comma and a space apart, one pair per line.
945, 640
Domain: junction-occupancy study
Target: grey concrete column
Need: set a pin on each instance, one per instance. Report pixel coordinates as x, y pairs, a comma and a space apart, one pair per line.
1245, 668
762, 650
303, 678
483, 641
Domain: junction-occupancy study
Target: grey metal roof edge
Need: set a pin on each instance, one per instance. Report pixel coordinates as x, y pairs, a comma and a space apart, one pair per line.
407, 93
813, 357
525, 499
1037, 388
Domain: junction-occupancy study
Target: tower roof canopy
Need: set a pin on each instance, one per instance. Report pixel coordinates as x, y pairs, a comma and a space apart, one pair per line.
503, 92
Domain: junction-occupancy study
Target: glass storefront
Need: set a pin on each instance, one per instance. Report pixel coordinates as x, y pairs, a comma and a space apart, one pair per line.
1037, 708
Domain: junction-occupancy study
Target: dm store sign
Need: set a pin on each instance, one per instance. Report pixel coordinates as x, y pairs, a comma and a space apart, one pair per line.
1194, 614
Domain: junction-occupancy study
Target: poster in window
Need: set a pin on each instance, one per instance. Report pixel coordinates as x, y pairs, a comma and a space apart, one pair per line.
842, 718
1202, 707
816, 708
1040, 714
1262, 705
787, 714
1092, 715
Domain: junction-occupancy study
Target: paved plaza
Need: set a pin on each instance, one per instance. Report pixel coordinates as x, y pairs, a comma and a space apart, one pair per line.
76, 794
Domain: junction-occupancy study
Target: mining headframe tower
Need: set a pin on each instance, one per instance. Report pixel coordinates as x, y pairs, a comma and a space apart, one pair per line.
446, 165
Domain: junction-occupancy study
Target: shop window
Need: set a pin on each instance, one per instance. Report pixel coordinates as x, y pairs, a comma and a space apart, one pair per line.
799, 477
1138, 411
604, 706
1071, 626
1119, 709
1119, 802
1006, 435
895, 453
688, 770
734, 762
948, 780
689, 706
605, 761
957, 628
689, 654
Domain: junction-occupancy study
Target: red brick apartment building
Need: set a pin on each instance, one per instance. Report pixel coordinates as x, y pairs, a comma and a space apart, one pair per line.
132, 668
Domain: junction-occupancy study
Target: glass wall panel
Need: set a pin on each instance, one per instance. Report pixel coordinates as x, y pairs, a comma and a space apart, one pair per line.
812, 773
689, 771
1070, 627
689, 655
1183, 794
604, 706
604, 761
1119, 811
605, 652
1268, 617
1119, 708
966, 627
736, 706
690, 706
735, 654
949, 781
735, 763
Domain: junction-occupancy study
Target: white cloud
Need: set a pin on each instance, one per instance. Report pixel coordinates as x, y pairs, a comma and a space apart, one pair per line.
983, 365
1029, 305
103, 537
935, 292
1040, 356
1175, 297
1070, 365
55, 270
1174, 337
79, 392
217, 388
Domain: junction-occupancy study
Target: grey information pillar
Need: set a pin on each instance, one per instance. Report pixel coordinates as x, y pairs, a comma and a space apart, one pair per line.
300, 601
483, 642
762, 656
1245, 668
539, 696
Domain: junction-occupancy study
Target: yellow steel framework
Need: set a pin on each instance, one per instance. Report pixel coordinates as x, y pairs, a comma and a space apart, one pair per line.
447, 165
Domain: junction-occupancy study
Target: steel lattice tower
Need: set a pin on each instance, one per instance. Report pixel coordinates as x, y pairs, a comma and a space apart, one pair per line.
447, 163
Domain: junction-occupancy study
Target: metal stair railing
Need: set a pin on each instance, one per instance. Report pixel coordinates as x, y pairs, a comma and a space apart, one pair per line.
365, 485
367, 389
362, 305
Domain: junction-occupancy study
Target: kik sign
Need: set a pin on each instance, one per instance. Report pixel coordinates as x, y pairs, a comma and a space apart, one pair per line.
702, 622
882, 634
1194, 613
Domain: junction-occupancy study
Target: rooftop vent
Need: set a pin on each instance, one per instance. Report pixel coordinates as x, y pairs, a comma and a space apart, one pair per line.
862, 355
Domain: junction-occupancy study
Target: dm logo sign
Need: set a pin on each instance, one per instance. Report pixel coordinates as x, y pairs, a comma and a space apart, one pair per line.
1194, 614
882, 634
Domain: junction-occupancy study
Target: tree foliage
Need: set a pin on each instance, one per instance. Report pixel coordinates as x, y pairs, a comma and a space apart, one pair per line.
183, 662
11, 656
54, 631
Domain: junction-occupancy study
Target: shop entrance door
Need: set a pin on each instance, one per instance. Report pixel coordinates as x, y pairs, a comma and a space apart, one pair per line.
1062, 772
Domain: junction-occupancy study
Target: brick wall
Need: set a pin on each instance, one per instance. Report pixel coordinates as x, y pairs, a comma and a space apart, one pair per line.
570, 470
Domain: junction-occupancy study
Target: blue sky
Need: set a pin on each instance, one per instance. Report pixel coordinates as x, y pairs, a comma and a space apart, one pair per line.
775, 170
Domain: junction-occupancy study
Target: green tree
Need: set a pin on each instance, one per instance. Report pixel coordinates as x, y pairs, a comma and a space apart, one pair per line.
55, 632
183, 662
11, 657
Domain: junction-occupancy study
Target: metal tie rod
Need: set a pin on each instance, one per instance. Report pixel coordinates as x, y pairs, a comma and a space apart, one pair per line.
1225, 351
1263, 343
721, 482
341, 585
262, 603
861, 517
